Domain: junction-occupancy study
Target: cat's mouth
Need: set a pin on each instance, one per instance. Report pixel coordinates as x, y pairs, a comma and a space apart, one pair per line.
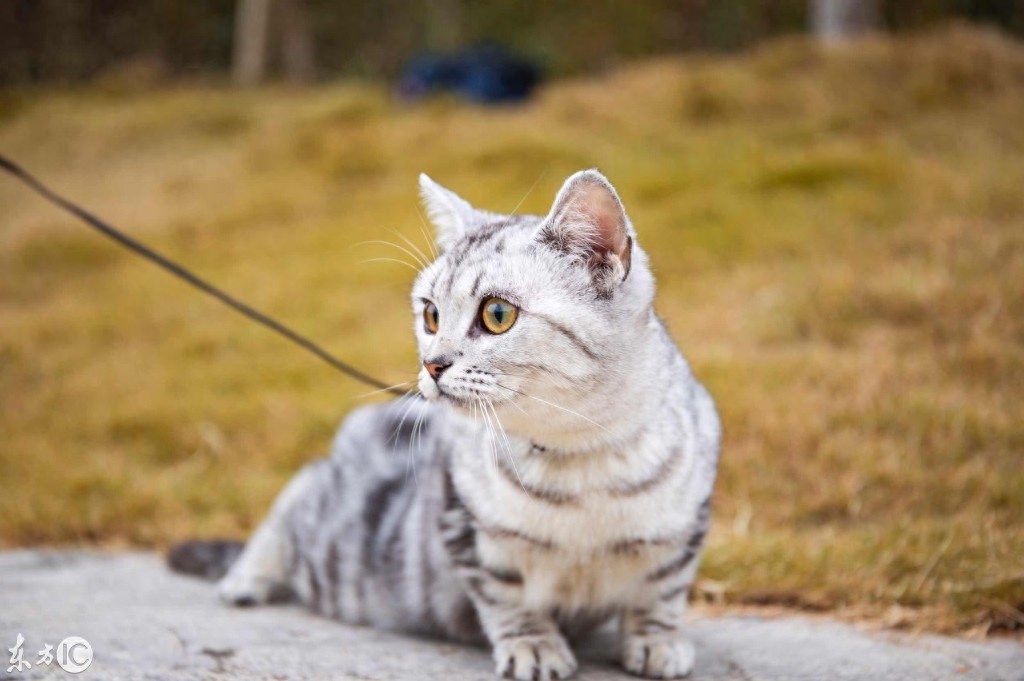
467, 394
457, 400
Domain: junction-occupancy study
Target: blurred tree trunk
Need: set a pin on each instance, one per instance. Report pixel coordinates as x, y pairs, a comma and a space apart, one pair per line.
262, 24
296, 41
252, 23
837, 20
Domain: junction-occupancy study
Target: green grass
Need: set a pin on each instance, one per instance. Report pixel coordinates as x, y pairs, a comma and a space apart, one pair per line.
837, 235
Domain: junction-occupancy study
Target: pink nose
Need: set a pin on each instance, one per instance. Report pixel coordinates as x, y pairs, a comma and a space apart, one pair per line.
435, 369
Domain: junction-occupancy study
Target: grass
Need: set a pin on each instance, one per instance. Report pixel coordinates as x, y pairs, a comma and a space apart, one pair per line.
839, 244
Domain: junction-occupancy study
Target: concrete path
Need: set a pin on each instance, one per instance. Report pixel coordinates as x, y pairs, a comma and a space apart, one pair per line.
143, 622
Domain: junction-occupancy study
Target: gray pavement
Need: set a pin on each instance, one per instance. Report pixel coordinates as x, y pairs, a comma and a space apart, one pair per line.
143, 622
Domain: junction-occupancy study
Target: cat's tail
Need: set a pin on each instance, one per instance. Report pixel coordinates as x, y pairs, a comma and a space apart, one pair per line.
208, 559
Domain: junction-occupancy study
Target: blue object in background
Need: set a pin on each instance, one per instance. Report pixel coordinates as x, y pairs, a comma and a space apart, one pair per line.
486, 74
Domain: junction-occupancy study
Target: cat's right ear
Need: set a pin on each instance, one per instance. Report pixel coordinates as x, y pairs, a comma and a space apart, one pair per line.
450, 214
588, 223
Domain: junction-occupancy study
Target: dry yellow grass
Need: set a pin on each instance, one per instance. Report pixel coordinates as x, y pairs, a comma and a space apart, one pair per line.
839, 238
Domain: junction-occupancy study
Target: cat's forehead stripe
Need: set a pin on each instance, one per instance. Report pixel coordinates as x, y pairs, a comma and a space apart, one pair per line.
474, 290
477, 249
485, 236
476, 268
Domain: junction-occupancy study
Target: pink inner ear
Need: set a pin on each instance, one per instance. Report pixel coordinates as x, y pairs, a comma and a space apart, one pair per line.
603, 211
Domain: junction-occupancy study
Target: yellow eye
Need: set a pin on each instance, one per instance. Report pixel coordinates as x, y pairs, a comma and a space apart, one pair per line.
431, 317
498, 315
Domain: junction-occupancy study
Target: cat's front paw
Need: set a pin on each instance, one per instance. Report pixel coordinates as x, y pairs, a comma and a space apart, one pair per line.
534, 658
238, 588
658, 656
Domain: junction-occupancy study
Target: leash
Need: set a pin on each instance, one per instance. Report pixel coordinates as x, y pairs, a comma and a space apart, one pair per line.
190, 278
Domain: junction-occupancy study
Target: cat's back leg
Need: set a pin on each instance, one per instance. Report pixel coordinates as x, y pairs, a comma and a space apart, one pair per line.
316, 521
261, 572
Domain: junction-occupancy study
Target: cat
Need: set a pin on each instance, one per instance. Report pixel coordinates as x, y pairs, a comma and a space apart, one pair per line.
558, 473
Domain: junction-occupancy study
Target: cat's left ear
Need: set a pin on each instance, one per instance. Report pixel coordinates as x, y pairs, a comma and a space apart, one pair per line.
588, 222
451, 214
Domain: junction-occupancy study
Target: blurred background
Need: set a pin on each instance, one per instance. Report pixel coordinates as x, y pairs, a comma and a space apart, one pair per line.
73, 42
830, 191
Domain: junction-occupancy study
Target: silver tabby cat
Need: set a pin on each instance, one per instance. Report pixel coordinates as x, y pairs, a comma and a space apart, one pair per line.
557, 475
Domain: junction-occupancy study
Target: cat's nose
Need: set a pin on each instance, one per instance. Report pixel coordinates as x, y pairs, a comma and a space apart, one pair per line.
436, 367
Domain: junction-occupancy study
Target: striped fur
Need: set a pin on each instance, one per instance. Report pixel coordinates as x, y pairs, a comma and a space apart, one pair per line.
557, 475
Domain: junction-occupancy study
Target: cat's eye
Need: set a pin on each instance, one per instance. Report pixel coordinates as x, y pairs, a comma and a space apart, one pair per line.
497, 315
431, 317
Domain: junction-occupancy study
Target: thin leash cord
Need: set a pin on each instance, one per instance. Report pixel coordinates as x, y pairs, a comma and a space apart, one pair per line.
187, 276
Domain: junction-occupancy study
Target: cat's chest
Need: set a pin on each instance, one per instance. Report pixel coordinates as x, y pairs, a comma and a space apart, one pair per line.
590, 548
581, 513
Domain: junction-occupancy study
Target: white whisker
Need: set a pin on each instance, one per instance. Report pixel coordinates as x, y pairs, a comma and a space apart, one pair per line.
508, 449
415, 254
425, 231
491, 439
403, 249
516, 405
389, 389
401, 262
562, 382
423, 256
417, 431
393, 441
539, 178
556, 406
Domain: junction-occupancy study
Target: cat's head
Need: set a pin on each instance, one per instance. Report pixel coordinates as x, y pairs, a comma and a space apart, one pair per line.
528, 314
